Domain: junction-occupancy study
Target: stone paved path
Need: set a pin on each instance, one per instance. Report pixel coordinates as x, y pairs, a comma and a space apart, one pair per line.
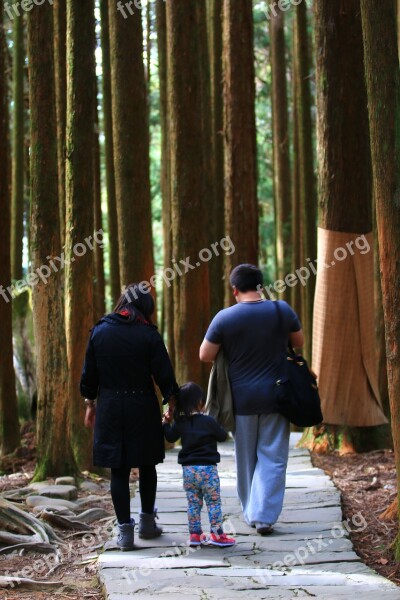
309, 555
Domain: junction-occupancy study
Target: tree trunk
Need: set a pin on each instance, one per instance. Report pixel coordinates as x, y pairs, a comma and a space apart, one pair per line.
18, 147
168, 313
60, 73
113, 246
307, 188
382, 76
217, 212
240, 150
98, 252
80, 211
296, 299
344, 327
188, 185
9, 425
131, 146
54, 454
281, 142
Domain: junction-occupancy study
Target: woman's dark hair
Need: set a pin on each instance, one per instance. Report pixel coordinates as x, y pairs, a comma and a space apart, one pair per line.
188, 399
136, 302
246, 278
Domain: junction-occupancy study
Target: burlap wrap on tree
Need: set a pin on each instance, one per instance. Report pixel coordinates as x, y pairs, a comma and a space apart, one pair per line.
344, 346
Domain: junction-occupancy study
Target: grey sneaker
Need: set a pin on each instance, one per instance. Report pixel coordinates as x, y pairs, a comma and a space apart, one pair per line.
147, 525
125, 539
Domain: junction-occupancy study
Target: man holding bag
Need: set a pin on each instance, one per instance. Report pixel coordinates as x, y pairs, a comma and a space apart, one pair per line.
253, 340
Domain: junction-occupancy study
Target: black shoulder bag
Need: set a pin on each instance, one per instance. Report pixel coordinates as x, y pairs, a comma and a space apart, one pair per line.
296, 391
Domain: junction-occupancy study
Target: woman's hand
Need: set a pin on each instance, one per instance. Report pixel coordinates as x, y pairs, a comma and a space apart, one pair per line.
90, 416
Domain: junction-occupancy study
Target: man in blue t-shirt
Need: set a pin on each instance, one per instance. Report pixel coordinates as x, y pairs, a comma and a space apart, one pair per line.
254, 341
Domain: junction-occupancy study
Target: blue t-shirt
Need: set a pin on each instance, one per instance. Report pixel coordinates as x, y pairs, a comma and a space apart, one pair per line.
255, 347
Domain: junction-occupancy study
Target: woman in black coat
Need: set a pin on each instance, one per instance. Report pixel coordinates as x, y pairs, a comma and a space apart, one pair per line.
124, 355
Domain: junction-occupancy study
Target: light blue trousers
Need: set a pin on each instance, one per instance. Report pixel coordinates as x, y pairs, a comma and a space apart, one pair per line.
262, 451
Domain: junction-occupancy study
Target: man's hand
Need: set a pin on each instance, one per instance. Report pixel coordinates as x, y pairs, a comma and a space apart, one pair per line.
90, 416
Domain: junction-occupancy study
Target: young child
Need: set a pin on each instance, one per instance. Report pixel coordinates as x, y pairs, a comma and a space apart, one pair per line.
199, 434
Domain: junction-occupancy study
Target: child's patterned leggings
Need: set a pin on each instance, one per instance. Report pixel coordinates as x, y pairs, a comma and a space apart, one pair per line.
202, 482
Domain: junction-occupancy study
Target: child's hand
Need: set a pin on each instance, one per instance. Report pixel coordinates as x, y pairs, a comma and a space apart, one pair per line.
167, 417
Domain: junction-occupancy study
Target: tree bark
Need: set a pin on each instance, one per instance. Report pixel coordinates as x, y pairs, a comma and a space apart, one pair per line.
349, 388
168, 313
54, 454
281, 142
296, 299
113, 245
98, 252
382, 76
240, 151
9, 424
188, 185
217, 212
60, 73
131, 146
18, 147
80, 209
307, 187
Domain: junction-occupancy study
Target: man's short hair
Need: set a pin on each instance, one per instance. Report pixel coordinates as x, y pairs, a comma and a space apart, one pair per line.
246, 278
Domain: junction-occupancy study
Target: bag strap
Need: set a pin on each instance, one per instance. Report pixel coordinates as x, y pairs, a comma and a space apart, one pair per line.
281, 326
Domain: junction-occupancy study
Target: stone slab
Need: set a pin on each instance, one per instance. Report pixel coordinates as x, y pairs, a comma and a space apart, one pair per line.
309, 535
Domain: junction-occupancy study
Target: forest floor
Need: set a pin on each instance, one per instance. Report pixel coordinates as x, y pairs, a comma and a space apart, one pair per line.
367, 483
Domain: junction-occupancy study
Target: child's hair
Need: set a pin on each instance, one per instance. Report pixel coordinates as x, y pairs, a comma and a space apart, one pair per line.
188, 400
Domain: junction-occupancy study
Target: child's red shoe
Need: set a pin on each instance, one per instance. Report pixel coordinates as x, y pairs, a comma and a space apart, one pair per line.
221, 540
196, 539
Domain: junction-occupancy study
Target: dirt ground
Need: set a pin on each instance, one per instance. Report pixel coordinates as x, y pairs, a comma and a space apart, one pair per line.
367, 483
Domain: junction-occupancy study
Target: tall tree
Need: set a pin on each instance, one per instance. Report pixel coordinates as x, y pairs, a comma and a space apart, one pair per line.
217, 214
305, 157
98, 252
344, 327
54, 454
131, 146
168, 312
9, 424
113, 246
188, 184
60, 73
240, 151
281, 145
18, 148
80, 211
297, 298
383, 84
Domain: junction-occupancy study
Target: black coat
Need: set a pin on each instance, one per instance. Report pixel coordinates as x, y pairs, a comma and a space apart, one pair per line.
122, 358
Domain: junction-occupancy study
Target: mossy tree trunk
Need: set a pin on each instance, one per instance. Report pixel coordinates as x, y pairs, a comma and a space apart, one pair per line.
131, 146
80, 209
168, 313
281, 143
54, 453
383, 84
113, 246
305, 158
188, 184
240, 151
9, 424
99, 305
60, 73
18, 148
